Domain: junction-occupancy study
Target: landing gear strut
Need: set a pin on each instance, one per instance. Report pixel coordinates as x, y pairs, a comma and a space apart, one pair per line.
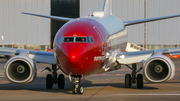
77, 88
134, 78
53, 79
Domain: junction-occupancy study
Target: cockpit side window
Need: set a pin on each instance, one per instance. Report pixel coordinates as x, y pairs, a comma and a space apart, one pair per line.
69, 39
90, 40
61, 40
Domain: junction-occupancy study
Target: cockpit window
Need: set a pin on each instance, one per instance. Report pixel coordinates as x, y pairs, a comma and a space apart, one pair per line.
69, 39
78, 39
81, 39
61, 40
90, 40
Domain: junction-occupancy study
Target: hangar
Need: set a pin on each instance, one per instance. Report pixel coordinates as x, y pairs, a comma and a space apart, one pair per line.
28, 32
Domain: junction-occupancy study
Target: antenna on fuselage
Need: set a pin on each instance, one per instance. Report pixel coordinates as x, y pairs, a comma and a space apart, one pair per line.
107, 8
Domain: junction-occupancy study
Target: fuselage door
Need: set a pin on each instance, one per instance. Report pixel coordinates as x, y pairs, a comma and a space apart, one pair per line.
102, 40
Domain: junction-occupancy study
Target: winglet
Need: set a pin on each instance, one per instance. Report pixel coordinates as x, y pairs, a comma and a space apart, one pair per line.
107, 7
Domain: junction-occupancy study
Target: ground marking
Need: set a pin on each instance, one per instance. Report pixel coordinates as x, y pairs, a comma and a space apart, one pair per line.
148, 94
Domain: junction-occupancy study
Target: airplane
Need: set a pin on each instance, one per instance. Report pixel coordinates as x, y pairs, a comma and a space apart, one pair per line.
82, 47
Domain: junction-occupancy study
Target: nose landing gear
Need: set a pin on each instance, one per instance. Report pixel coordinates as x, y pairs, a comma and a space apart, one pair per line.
77, 88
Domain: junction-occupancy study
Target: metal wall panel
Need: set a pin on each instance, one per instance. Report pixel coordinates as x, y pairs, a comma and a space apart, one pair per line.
163, 32
41, 22
150, 25
130, 16
23, 23
173, 21
136, 33
178, 22
156, 23
1, 21
90, 6
6, 21
114, 11
17, 26
29, 23
161, 23
141, 26
11, 21
21, 29
83, 5
47, 22
167, 22
34, 22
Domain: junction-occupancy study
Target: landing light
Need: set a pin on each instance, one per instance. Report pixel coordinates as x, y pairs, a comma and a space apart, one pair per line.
107, 54
122, 56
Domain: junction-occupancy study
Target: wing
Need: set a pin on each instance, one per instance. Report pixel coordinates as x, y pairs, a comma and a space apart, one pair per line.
51, 17
156, 66
37, 56
133, 22
142, 56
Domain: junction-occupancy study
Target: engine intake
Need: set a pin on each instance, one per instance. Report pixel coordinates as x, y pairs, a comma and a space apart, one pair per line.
158, 69
20, 69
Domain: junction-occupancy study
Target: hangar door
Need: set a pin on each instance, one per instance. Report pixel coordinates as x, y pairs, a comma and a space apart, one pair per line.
63, 8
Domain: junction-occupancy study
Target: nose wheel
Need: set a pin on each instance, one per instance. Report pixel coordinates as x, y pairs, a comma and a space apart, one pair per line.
77, 87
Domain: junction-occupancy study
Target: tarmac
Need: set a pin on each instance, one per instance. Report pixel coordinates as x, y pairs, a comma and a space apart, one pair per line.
102, 87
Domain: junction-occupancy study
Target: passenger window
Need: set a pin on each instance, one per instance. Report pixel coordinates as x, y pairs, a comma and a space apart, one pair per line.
69, 39
81, 39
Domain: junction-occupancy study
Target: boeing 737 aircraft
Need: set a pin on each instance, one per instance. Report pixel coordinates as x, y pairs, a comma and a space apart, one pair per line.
82, 47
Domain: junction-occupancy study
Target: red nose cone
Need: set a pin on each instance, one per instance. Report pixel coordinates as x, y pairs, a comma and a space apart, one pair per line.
74, 58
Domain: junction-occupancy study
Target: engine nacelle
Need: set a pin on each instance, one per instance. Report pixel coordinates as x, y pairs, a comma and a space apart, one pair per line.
158, 68
20, 69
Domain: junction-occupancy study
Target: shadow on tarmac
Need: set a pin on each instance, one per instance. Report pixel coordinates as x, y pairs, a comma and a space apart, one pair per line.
40, 86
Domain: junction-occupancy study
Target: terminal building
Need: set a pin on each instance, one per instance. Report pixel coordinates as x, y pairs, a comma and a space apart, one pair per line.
28, 32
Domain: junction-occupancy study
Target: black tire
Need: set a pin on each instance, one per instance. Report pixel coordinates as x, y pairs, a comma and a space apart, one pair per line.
74, 89
49, 81
80, 89
139, 81
61, 81
128, 81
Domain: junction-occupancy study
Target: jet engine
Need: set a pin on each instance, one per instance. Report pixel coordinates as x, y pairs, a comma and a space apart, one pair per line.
20, 69
158, 68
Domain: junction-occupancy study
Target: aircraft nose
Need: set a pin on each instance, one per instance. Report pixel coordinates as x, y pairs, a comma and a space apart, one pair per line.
75, 52
74, 57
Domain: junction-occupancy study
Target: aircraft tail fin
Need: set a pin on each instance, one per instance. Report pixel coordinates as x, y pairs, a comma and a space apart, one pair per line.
107, 7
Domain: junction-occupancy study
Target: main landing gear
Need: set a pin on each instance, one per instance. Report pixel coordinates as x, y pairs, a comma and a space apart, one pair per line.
134, 78
78, 88
53, 79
